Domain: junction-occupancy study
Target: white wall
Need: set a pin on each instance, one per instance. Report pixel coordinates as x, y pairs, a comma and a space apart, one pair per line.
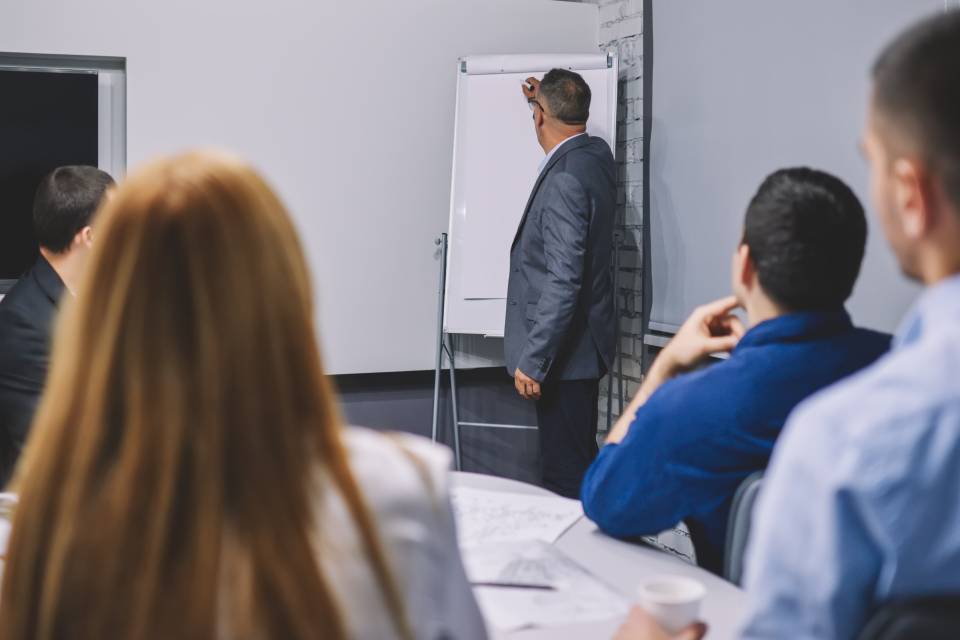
742, 89
347, 107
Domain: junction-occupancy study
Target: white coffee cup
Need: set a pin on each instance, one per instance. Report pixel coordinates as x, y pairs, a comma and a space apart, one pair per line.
673, 601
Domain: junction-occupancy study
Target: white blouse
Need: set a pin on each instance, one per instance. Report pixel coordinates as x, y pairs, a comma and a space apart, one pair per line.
405, 481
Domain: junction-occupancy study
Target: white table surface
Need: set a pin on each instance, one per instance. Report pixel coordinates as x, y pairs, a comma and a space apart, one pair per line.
623, 566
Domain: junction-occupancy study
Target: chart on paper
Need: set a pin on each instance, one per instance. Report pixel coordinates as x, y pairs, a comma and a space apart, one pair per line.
495, 516
553, 589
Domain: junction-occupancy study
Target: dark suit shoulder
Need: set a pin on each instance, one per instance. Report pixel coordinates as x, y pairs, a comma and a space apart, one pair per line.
37, 293
18, 302
26, 319
18, 308
22, 333
588, 160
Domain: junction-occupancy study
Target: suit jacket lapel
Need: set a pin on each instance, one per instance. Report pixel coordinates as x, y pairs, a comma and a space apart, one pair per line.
564, 150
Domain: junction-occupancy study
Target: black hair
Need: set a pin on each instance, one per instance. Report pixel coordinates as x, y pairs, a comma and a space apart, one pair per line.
65, 201
807, 232
567, 95
917, 92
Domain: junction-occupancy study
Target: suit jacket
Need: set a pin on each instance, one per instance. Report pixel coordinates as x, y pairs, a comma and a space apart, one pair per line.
26, 320
560, 294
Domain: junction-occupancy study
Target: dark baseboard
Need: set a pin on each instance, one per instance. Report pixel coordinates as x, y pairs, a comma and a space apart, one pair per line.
403, 401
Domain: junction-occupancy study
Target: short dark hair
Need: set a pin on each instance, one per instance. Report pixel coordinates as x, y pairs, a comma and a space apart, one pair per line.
567, 96
807, 232
917, 90
65, 202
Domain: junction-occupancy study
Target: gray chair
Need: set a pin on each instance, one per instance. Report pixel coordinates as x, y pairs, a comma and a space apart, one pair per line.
935, 618
738, 527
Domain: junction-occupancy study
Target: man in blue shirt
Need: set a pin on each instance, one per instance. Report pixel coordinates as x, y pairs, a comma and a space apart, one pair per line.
860, 506
687, 441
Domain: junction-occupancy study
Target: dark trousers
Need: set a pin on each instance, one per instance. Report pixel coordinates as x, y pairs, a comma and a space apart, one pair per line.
567, 421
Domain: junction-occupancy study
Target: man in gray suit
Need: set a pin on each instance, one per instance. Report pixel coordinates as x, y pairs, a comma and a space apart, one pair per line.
559, 330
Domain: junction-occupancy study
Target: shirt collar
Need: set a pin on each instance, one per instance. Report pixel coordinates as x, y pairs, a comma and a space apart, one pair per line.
547, 157
939, 305
794, 327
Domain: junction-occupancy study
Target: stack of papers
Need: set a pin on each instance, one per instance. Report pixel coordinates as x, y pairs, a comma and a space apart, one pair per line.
519, 577
497, 516
555, 590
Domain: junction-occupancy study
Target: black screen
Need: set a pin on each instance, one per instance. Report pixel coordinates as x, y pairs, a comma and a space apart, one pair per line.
46, 120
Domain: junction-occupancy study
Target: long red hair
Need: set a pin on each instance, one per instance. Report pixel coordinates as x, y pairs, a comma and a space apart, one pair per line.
174, 466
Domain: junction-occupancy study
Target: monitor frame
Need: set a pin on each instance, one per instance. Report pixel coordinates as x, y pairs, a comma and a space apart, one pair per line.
111, 75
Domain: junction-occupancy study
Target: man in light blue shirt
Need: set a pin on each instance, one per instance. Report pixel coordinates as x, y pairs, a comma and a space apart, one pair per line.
861, 505
862, 502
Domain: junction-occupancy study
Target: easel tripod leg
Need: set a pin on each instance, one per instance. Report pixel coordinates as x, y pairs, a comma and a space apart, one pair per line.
453, 402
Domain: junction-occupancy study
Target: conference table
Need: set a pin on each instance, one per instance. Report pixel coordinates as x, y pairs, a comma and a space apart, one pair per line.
623, 566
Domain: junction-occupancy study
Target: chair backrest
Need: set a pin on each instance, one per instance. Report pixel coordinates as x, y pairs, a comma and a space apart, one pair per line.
935, 618
738, 527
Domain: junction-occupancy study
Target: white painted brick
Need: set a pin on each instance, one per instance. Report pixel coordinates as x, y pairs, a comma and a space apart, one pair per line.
623, 132
632, 109
631, 368
633, 150
632, 88
633, 131
633, 216
632, 172
633, 293
631, 238
622, 109
621, 196
615, 395
613, 11
632, 326
630, 53
621, 28
630, 259
630, 387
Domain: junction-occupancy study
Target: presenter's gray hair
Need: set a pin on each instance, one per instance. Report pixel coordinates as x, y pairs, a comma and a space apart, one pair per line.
567, 96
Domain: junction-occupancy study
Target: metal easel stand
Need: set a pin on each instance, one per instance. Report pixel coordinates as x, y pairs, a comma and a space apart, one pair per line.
445, 346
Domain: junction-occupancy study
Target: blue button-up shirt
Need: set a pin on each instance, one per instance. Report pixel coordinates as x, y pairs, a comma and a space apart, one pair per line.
862, 501
695, 440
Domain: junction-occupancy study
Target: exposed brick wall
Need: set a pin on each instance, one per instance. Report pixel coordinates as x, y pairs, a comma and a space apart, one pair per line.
621, 28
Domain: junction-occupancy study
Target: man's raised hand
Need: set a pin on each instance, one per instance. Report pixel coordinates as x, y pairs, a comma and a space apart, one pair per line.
711, 328
530, 87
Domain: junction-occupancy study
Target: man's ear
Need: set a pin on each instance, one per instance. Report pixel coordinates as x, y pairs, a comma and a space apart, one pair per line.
538, 118
745, 269
912, 198
84, 237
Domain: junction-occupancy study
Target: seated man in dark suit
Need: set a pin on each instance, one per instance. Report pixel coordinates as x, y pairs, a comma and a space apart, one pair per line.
689, 438
63, 207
